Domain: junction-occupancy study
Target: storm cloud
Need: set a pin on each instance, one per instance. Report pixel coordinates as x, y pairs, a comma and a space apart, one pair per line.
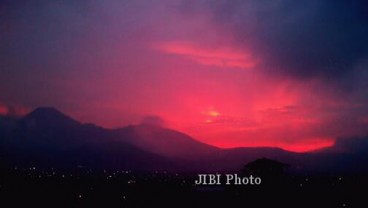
304, 39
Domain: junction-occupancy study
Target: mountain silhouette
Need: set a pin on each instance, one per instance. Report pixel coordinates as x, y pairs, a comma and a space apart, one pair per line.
164, 141
48, 129
49, 116
47, 137
50, 138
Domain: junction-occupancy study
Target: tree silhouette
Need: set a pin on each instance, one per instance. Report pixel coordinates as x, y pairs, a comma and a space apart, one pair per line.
265, 167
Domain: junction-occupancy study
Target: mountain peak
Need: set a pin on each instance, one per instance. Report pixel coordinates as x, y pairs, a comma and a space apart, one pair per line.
50, 115
44, 110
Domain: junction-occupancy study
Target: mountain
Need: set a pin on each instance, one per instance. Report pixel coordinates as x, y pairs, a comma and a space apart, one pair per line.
47, 128
47, 137
7, 123
50, 117
164, 142
347, 156
50, 137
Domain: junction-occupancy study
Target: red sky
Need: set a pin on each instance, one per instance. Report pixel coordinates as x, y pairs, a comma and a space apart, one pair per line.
217, 74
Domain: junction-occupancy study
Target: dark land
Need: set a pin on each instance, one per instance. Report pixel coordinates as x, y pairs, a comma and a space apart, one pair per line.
51, 160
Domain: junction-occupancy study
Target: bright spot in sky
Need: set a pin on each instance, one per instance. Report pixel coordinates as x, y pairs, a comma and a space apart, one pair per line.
213, 113
210, 115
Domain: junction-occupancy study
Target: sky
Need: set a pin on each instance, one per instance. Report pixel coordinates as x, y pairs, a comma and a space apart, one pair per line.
281, 73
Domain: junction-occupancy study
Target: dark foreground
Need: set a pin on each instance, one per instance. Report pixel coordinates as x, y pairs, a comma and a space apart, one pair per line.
33, 187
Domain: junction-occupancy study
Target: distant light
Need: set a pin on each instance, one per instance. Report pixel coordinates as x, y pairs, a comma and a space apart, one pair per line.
213, 113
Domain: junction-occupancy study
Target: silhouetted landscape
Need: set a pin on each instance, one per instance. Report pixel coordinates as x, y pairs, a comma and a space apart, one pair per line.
48, 157
182, 103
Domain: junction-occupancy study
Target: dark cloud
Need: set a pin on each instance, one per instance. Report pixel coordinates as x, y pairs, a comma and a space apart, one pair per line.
302, 39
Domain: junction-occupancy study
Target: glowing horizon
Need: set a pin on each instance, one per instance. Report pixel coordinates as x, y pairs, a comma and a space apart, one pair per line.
225, 73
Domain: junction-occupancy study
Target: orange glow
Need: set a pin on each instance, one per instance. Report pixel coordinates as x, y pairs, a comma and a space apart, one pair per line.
306, 145
211, 116
310, 145
223, 57
212, 113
